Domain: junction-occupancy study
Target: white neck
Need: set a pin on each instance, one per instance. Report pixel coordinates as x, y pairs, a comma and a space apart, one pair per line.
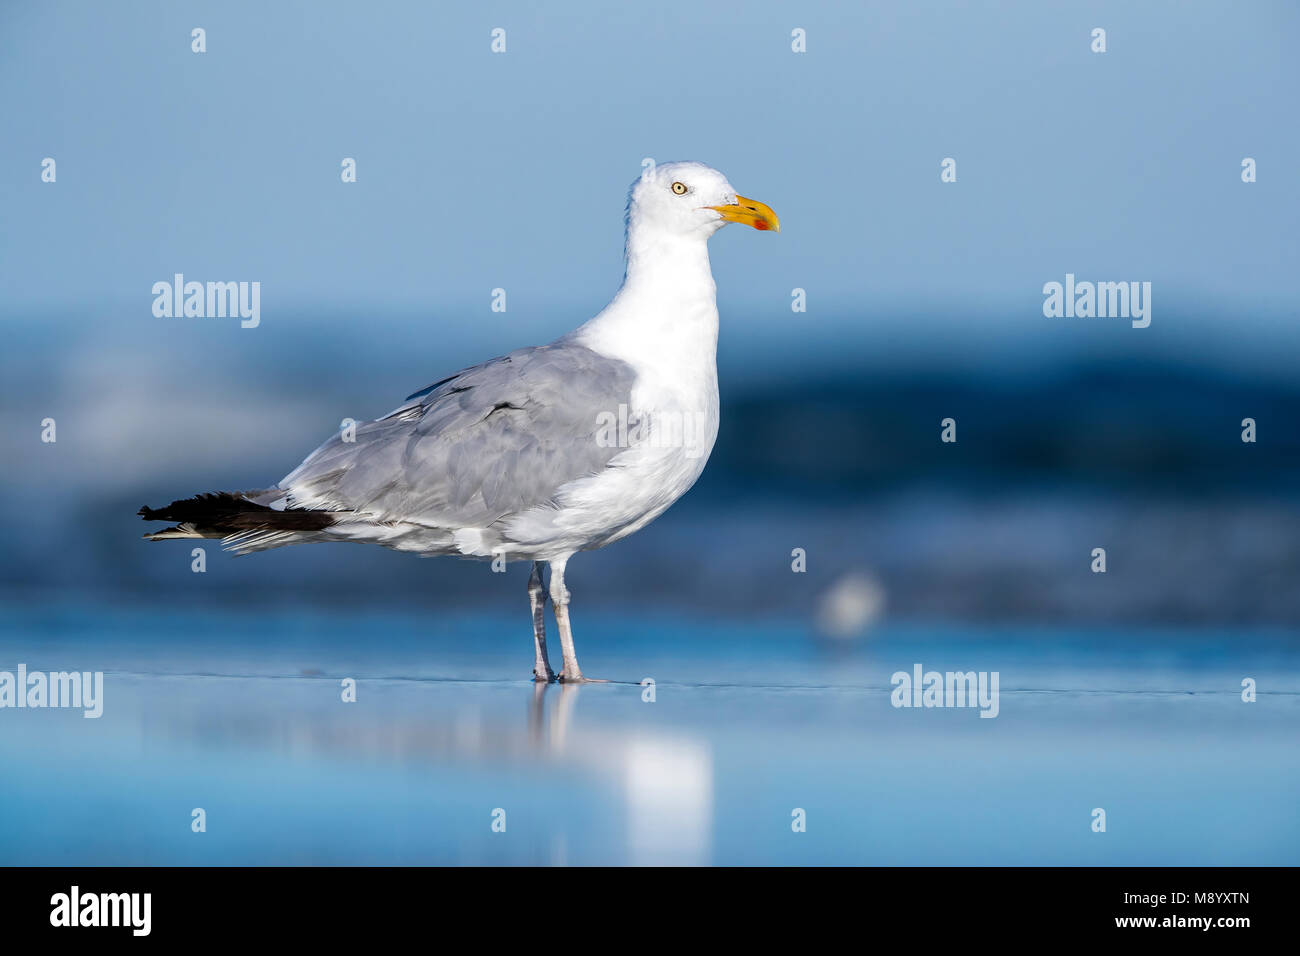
665, 314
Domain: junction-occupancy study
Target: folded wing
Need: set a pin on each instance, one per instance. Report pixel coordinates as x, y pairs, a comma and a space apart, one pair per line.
492, 440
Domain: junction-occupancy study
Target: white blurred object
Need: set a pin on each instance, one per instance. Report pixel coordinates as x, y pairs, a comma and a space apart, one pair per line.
669, 792
851, 605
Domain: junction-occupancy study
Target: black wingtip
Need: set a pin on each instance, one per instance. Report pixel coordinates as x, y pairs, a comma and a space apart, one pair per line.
227, 512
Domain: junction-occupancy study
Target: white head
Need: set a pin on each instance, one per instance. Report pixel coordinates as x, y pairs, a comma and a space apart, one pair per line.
691, 199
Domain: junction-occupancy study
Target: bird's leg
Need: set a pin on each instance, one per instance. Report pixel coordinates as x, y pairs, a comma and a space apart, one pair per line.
537, 601
560, 601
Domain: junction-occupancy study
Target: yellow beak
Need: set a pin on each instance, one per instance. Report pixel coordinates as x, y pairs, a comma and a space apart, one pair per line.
751, 212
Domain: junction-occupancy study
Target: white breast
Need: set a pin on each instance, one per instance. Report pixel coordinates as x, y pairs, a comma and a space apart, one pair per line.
664, 323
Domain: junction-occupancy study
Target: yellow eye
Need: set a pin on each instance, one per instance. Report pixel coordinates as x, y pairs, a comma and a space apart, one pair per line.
679, 189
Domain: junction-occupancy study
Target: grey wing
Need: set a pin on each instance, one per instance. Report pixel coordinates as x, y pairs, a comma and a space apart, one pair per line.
492, 440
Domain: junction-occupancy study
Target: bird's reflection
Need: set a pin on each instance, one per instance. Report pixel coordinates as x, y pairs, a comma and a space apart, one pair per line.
554, 741
661, 782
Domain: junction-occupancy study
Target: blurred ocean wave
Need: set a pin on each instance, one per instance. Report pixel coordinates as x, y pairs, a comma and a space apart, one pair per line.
1143, 459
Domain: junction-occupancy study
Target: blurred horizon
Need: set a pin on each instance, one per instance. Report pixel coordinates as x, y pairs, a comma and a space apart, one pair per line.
1143, 458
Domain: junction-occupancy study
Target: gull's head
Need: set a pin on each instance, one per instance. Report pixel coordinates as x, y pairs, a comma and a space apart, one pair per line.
692, 199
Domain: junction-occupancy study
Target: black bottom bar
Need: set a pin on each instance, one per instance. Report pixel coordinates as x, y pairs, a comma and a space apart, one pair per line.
329, 905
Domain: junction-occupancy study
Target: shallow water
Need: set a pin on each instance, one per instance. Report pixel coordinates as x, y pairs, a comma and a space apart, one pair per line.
241, 715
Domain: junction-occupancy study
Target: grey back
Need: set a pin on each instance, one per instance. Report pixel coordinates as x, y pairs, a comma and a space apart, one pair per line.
489, 441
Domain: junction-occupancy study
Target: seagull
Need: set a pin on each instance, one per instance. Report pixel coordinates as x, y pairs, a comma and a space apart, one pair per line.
538, 454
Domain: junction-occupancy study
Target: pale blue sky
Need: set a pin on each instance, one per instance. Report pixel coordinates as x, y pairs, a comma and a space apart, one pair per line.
479, 170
